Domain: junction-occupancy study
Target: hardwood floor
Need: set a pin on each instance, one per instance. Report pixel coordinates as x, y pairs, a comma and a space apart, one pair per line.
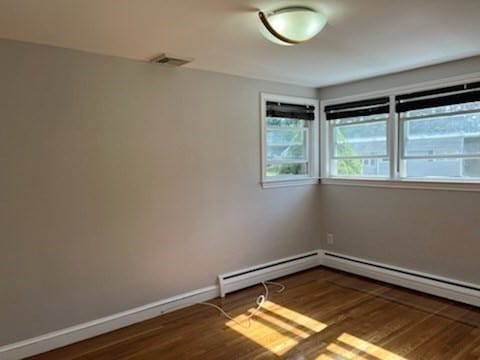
322, 314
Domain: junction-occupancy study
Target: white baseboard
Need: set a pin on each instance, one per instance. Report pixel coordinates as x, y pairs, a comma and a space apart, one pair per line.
443, 287
431, 284
93, 328
243, 278
97, 327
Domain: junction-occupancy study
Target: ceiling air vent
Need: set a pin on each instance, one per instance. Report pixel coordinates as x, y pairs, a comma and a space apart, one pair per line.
170, 60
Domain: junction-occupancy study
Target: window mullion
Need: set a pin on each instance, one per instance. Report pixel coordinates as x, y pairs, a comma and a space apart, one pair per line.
276, 162
401, 162
331, 148
360, 157
393, 140
443, 156
306, 137
278, 128
354, 123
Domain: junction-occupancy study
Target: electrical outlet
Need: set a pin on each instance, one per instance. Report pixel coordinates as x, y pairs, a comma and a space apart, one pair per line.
330, 239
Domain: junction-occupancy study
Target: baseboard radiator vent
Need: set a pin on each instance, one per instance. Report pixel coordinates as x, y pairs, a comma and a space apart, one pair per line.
241, 279
440, 286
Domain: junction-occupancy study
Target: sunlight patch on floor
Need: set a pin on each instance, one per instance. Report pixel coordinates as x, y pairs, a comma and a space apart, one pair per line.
277, 328
353, 348
344, 353
369, 348
325, 357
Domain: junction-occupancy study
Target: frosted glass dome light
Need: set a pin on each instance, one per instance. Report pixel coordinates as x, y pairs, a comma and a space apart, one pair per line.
291, 25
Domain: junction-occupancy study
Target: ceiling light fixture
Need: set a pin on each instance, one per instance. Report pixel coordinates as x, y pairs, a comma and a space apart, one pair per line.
291, 25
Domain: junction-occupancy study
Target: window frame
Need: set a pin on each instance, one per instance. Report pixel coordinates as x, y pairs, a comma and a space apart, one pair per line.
395, 144
312, 143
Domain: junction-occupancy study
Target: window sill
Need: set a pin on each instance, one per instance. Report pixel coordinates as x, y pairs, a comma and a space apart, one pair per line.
447, 185
268, 184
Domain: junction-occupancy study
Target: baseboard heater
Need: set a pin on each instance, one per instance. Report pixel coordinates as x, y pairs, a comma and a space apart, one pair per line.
440, 286
243, 278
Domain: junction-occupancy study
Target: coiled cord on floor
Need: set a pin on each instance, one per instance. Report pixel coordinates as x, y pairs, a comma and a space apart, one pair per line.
259, 302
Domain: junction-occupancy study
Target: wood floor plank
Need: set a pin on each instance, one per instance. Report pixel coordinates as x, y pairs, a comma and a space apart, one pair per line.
322, 314
408, 339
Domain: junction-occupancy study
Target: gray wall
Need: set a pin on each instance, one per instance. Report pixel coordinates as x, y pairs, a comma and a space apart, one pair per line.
427, 230
123, 183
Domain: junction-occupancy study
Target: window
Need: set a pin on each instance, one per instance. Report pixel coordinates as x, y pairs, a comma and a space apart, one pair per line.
440, 133
359, 142
426, 135
289, 141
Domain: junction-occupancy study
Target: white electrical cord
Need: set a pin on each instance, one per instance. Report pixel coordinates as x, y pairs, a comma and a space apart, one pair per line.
260, 302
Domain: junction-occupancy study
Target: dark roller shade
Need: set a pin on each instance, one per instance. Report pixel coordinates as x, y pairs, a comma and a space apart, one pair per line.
290, 111
358, 108
450, 95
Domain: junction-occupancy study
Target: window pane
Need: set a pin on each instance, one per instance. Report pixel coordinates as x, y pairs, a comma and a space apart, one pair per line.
286, 169
443, 109
286, 145
449, 135
286, 152
285, 137
471, 168
361, 118
361, 167
361, 139
444, 168
286, 123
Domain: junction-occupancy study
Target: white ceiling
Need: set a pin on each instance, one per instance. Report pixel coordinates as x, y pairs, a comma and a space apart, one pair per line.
363, 38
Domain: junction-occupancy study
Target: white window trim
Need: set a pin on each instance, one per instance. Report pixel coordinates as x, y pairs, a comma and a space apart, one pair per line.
313, 141
394, 181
